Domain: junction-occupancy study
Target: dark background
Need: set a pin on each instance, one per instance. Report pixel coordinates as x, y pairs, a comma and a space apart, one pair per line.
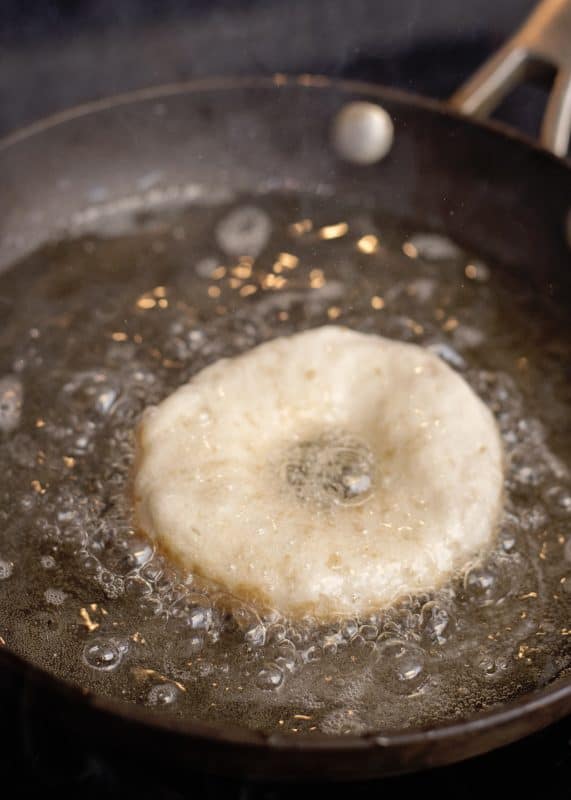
58, 53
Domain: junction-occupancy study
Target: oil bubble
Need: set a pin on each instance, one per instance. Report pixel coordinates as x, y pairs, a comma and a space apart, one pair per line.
153, 570
192, 645
270, 677
341, 721
507, 539
192, 611
369, 632
102, 654
6, 569
491, 665
349, 628
249, 623
312, 654
256, 636
72, 536
436, 623
88, 562
244, 231
358, 641
28, 503
559, 499
11, 396
55, 597
151, 606
528, 476
205, 267
488, 583
113, 585
330, 646
285, 655
93, 390
135, 586
126, 552
163, 694
400, 667
276, 633
434, 247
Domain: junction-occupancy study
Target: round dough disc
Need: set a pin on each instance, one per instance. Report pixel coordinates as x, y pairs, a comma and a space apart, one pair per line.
329, 472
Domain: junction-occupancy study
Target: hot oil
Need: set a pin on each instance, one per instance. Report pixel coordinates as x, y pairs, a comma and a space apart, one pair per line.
97, 329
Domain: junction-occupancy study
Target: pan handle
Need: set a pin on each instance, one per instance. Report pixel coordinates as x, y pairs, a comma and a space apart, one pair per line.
543, 43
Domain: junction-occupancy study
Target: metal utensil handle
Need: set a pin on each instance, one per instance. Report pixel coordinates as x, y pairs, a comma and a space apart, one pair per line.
542, 44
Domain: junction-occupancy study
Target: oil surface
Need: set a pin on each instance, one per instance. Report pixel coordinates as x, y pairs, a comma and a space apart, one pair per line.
96, 329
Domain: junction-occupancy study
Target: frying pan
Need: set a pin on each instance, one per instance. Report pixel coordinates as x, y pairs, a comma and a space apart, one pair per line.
491, 189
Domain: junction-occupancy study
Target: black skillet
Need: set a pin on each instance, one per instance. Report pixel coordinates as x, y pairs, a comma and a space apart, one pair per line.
487, 187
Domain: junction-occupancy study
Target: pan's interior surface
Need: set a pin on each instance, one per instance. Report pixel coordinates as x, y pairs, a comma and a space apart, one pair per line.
141, 292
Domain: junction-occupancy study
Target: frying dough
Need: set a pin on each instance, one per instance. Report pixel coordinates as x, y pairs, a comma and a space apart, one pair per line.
329, 472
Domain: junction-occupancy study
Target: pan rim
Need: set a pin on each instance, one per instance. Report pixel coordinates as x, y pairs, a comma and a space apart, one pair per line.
473, 724
380, 740
276, 81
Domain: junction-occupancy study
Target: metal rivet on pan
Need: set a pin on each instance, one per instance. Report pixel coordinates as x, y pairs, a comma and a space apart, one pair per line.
362, 133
